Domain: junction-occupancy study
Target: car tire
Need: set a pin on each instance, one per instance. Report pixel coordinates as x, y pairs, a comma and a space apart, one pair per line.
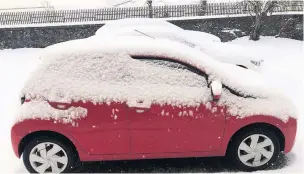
242, 147
36, 158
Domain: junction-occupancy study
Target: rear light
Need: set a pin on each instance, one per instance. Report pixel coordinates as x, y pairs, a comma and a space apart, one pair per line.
22, 100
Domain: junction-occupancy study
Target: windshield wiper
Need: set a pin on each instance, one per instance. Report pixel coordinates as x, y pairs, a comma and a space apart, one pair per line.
144, 34
238, 94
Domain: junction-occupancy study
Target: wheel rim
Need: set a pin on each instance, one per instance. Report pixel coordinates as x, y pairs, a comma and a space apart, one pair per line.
256, 150
48, 158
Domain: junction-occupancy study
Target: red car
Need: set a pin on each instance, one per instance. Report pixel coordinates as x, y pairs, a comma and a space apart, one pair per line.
143, 98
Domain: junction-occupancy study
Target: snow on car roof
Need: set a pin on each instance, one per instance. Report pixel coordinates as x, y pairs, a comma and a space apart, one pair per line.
103, 71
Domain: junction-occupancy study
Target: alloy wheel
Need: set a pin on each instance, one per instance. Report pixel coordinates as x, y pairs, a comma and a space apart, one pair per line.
48, 157
256, 150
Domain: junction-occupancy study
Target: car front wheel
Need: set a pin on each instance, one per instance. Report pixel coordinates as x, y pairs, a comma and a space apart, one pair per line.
47, 155
254, 150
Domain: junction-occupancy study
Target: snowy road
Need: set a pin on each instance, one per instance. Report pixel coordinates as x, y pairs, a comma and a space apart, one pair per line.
283, 67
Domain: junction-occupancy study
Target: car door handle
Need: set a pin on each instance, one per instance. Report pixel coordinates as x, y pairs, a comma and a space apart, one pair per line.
140, 111
140, 105
60, 105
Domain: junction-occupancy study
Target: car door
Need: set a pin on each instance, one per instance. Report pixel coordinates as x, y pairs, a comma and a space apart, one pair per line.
105, 129
169, 128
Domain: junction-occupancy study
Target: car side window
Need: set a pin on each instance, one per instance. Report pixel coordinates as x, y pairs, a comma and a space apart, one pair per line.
169, 64
171, 72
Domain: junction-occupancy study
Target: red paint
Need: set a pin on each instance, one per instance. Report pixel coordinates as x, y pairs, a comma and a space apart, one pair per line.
157, 132
289, 129
169, 129
105, 130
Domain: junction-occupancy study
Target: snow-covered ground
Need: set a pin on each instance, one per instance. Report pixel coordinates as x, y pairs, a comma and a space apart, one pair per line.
283, 67
60, 4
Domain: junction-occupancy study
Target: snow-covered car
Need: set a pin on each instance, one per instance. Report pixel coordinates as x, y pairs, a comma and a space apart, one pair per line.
208, 43
137, 97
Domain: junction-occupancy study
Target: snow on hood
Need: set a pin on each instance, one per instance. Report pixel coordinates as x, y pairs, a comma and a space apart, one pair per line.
115, 25
70, 70
153, 31
229, 52
201, 36
154, 28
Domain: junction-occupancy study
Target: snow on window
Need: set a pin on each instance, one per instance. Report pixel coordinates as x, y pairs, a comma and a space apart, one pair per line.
103, 71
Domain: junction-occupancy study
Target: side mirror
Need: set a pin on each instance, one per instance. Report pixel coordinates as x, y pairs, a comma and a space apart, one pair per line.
216, 90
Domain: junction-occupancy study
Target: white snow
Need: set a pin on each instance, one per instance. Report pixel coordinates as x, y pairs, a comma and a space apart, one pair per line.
216, 87
70, 4
42, 110
130, 23
202, 36
283, 68
59, 4
156, 28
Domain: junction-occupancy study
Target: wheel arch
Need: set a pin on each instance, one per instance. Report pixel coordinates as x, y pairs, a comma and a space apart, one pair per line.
267, 126
45, 133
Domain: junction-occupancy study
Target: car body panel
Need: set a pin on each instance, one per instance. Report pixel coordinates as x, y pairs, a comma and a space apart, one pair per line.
152, 136
173, 129
234, 124
105, 127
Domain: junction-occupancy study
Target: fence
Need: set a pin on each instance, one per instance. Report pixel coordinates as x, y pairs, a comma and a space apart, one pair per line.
90, 15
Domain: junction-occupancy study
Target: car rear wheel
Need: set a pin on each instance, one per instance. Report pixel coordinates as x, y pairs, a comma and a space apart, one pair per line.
47, 155
255, 149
